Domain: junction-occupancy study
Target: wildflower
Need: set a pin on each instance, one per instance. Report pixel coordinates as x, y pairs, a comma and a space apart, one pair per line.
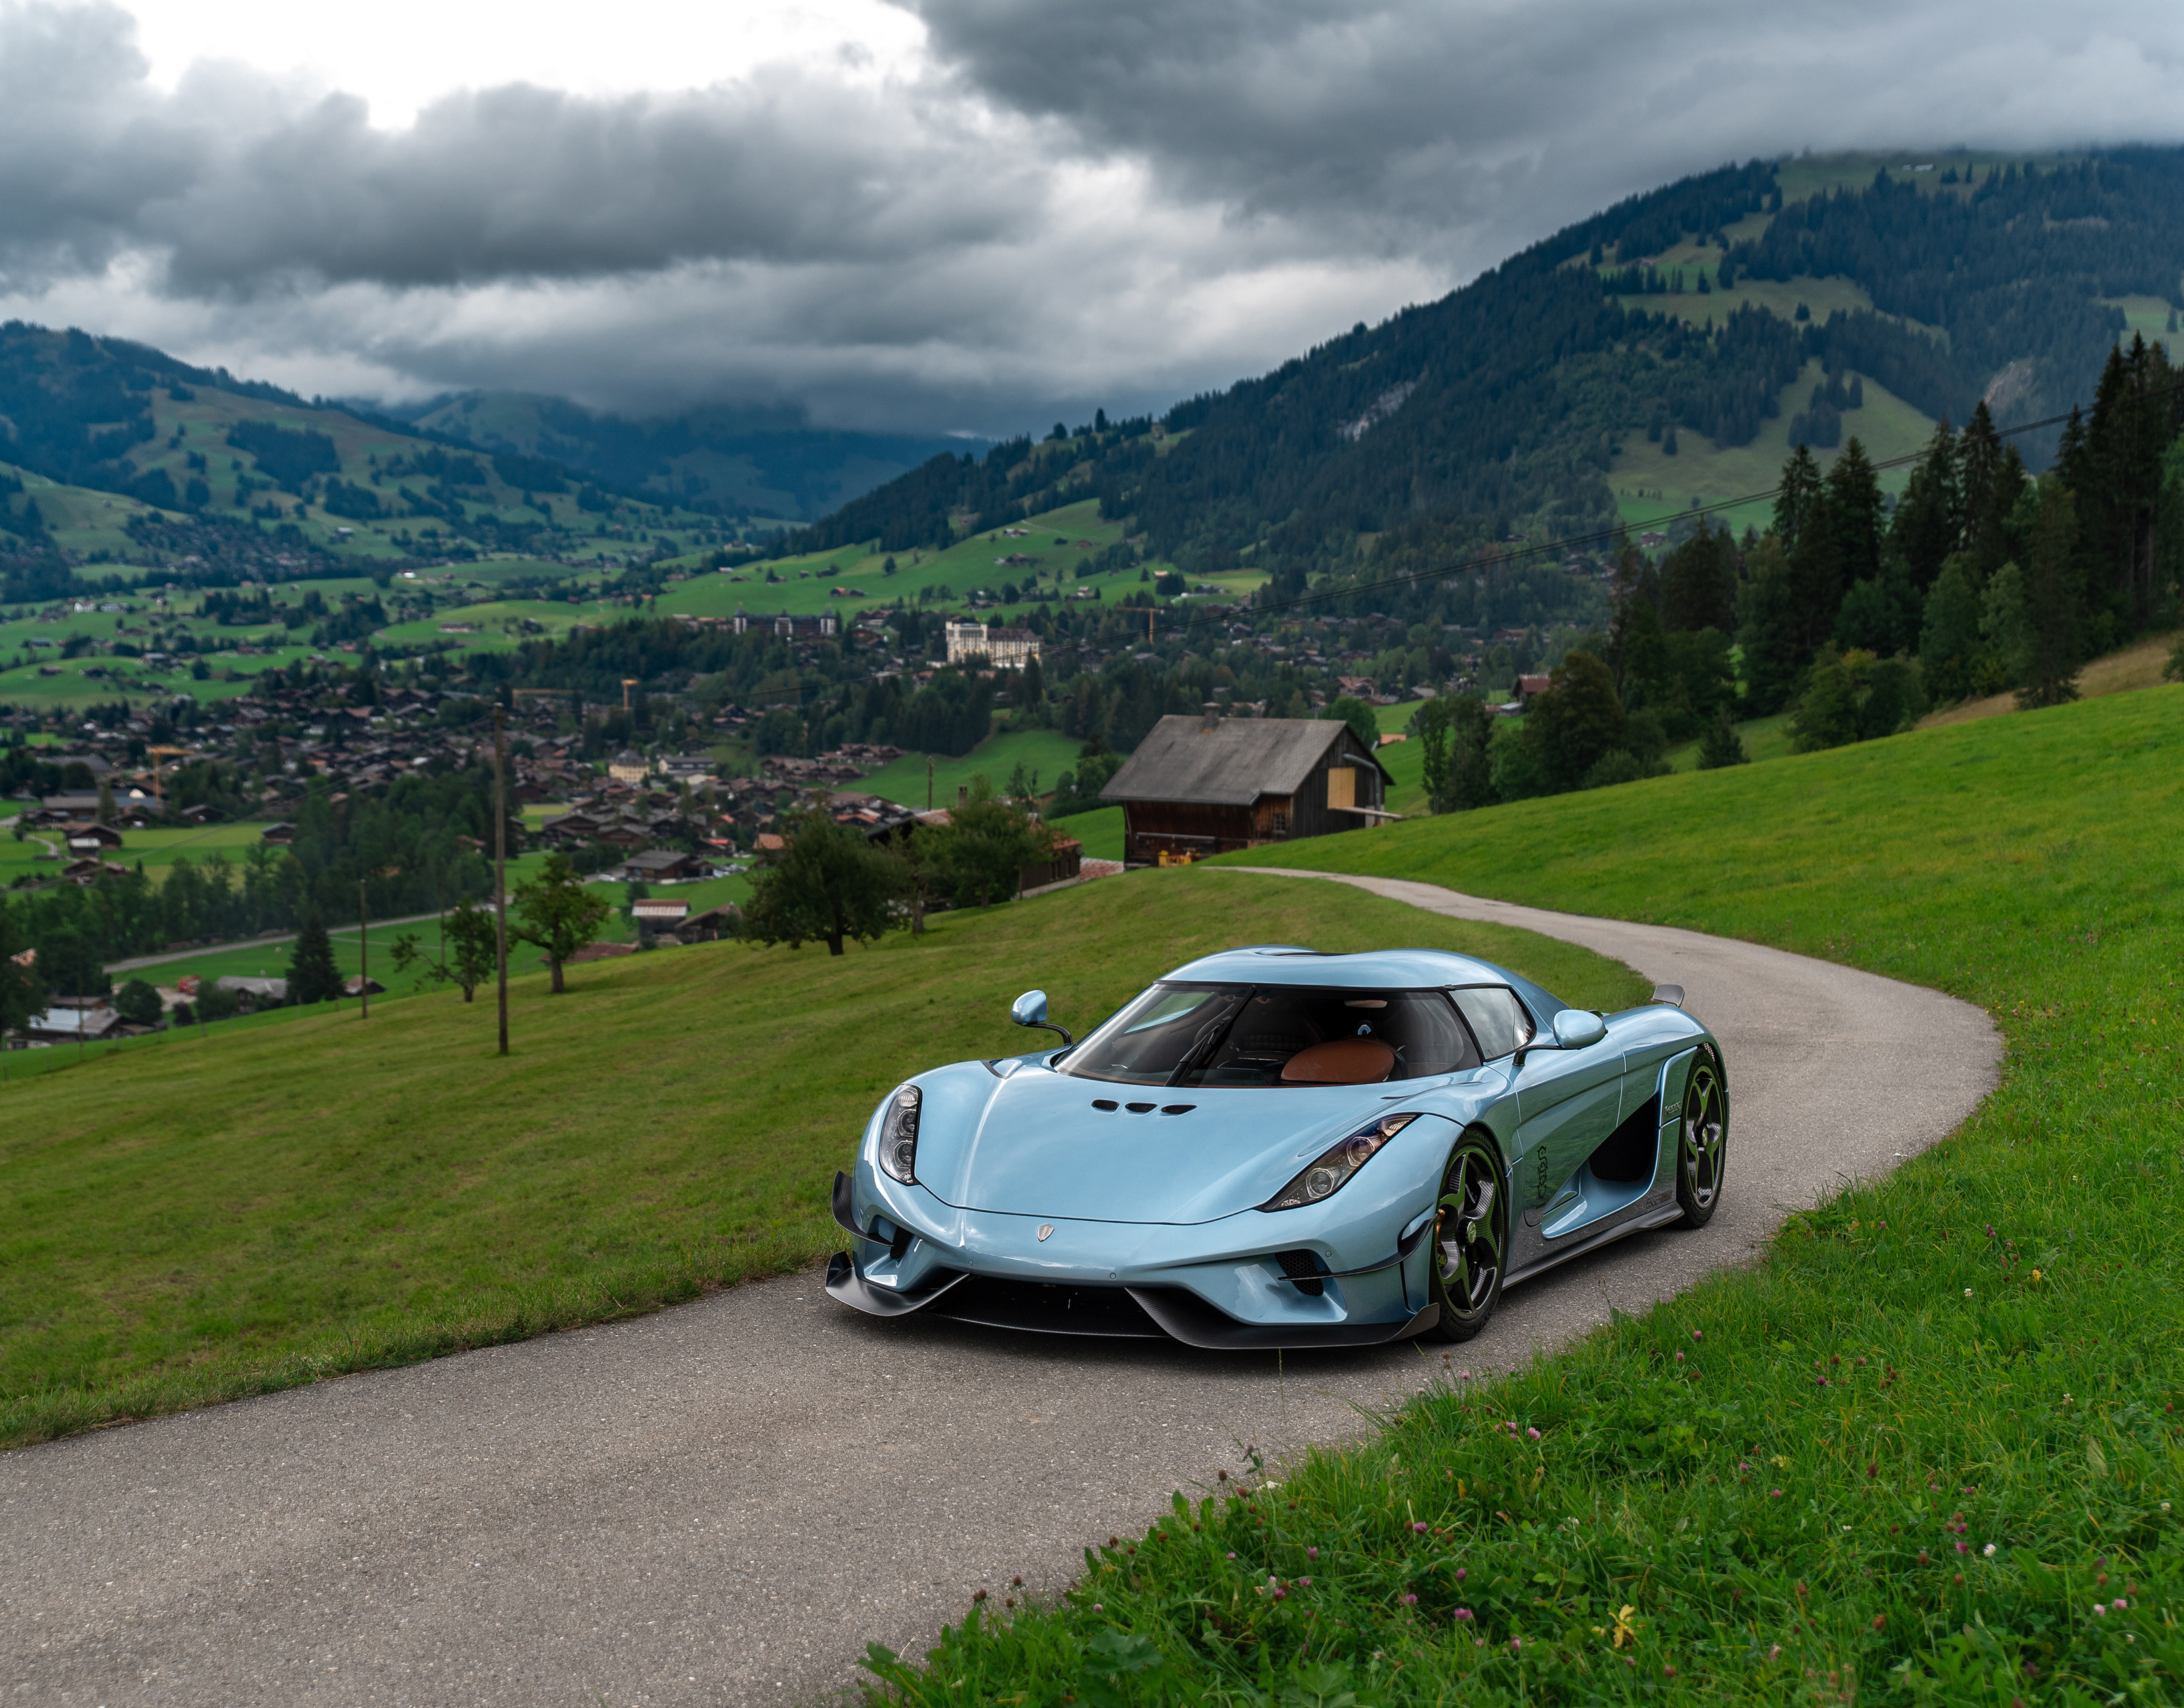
1776, 1653
1878, 1621
1668, 1672
1281, 1594
1697, 1335
1534, 1433
1968, 1293
1461, 1616
1419, 1527
1988, 1551
1232, 1556
2036, 1275
1772, 1494
1098, 1607
1304, 1583
1410, 1601
1964, 1548
2098, 1610
1516, 1645
2119, 1604
1311, 1554
1680, 1358
1459, 1574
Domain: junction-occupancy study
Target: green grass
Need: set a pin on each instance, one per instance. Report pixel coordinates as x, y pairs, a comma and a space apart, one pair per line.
196, 1220
1651, 486
1787, 1479
1047, 752
1764, 738
947, 577
1099, 830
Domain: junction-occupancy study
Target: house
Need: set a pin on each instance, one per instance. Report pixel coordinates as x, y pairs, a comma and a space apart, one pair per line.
91, 838
1063, 865
88, 871
1530, 687
257, 993
62, 809
664, 866
1197, 786
281, 835
61, 1025
1005, 649
711, 925
356, 983
658, 913
820, 627
628, 766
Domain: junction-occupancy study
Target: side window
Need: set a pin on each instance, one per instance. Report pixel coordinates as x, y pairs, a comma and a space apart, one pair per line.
1498, 1019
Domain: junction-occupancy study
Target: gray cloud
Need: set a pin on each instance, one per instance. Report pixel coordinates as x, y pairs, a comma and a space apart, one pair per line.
1066, 205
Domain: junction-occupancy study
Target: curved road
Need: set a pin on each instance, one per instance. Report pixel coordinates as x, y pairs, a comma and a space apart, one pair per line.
724, 1502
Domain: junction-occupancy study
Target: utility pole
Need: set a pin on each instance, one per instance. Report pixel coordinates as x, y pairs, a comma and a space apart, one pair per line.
363, 954
500, 862
928, 783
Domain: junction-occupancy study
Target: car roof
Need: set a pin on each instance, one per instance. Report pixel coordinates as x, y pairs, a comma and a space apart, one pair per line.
1287, 963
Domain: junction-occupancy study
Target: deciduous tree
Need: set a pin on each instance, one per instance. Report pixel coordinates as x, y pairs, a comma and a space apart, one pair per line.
827, 883
558, 912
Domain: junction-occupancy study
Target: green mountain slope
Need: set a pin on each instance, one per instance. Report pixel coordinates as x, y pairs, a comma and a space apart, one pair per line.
1529, 399
186, 463
751, 465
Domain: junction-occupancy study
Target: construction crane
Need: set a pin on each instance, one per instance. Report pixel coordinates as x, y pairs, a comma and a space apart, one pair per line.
158, 791
628, 683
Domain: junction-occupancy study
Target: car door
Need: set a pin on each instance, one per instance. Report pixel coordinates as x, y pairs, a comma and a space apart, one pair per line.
1568, 1102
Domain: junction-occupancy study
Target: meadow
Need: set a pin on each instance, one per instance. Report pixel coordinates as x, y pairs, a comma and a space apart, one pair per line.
1651, 486
205, 1219
1925, 1449
807, 584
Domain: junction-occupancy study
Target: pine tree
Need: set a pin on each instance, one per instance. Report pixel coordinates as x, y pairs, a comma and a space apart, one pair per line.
1721, 745
312, 977
2053, 596
1929, 523
1794, 501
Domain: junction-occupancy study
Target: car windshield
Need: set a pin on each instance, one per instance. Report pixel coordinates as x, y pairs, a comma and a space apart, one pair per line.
1209, 1035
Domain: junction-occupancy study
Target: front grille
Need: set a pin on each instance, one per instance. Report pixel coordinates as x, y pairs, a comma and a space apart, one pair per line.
1047, 1307
1301, 1267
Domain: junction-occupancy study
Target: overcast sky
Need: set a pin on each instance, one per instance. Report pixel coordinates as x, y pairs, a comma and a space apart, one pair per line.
941, 214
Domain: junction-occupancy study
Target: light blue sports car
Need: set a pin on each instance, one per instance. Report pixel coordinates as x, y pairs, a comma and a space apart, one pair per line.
1276, 1147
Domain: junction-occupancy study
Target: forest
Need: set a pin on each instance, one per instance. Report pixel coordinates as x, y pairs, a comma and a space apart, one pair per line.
1496, 409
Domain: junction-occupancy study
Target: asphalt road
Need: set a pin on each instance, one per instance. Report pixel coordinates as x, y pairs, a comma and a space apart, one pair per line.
724, 1502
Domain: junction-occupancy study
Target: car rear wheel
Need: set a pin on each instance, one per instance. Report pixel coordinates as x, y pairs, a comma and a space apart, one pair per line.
1702, 1143
1471, 1238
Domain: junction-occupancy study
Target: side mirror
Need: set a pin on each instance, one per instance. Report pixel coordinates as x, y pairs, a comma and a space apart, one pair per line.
1030, 1010
1577, 1028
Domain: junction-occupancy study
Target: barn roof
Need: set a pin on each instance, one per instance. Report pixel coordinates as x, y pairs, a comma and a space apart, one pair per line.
1229, 761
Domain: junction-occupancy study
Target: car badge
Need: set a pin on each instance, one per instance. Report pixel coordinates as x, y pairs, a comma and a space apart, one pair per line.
1045, 1229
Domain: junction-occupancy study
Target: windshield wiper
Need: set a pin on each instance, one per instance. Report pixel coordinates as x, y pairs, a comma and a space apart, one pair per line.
1208, 1040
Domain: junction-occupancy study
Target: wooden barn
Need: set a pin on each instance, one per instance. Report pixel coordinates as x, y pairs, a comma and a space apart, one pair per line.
1204, 785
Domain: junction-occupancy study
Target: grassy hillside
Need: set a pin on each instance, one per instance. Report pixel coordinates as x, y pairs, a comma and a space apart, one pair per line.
206, 1219
1901, 1458
1055, 541
1651, 486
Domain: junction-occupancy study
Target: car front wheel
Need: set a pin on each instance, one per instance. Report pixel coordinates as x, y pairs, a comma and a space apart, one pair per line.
1702, 1143
1471, 1238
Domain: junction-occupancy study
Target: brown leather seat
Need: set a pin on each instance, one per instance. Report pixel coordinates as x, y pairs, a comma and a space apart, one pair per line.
1340, 1061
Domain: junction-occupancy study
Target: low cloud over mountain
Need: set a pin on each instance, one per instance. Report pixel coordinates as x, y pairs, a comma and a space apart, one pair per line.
1049, 207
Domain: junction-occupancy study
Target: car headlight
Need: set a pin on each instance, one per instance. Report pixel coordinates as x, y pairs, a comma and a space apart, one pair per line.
1334, 1167
899, 1134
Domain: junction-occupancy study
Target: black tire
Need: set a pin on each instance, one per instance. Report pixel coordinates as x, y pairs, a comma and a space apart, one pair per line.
1702, 1143
1470, 1238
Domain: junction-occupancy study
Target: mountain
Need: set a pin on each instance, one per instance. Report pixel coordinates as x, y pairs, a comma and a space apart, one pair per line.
1555, 393
742, 463
113, 453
